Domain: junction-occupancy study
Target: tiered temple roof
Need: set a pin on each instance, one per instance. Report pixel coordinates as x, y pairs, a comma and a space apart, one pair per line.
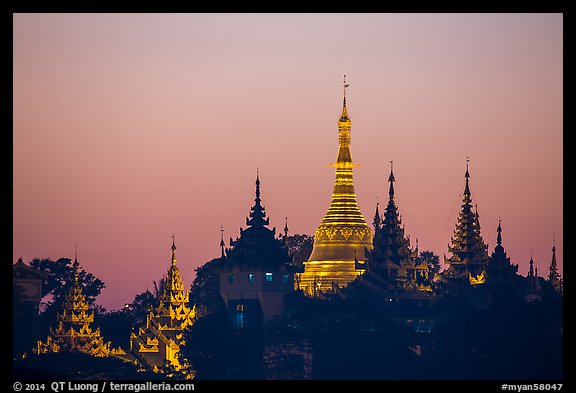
257, 248
392, 257
74, 330
393, 268
469, 252
156, 343
500, 269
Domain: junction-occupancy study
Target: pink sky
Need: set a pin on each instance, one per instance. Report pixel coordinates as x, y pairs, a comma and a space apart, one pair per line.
129, 128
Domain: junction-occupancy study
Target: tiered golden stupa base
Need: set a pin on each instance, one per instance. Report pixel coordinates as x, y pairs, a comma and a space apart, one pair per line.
324, 275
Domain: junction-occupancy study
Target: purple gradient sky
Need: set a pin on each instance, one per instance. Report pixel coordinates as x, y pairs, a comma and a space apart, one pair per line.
131, 127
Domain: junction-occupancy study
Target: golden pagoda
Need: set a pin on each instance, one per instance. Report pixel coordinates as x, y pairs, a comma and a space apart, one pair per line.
157, 342
343, 234
74, 331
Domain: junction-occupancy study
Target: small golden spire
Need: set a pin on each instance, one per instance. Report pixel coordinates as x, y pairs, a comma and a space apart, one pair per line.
173, 250
344, 116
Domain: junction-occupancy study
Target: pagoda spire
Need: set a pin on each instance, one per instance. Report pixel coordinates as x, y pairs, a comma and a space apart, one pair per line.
469, 252
172, 285
392, 258
554, 276
500, 269
391, 179
344, 116
75, 264
533, 287
467, 193
222, 244
377, 218
258, 212
343, 231
173, 248
286, 230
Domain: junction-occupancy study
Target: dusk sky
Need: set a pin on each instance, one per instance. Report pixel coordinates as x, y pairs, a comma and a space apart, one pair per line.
129, 128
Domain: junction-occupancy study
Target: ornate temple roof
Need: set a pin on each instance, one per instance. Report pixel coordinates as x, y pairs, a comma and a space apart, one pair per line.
257, 247
392, 256
500, 269
156, 342
74, 330
469, 252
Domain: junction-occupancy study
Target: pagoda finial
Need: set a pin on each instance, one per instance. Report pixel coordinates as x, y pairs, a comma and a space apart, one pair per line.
286, 233
257, 212
344, 116
499, 230
257, 182
391, 179
75, 264
377, 219
222, 244
286, 228
467, 193
173, 248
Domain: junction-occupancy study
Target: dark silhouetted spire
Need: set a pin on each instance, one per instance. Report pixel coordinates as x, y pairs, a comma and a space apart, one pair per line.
75, 264
377, 218
258, 212
500, 269
469, 252
467, 193
391, 179
554, 276
222, 244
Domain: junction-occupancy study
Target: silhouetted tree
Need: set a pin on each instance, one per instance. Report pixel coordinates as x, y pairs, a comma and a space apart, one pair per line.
433, 262
77, 366
24, 322
205, 289
60, 276
117, 325
300, 247
207, 346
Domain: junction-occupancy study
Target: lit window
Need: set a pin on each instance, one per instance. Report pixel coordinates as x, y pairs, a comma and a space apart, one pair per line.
269, 277
285, 277
251, 277
231, 278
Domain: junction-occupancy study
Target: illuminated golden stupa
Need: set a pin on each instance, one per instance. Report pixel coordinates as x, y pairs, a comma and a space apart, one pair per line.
343, 234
